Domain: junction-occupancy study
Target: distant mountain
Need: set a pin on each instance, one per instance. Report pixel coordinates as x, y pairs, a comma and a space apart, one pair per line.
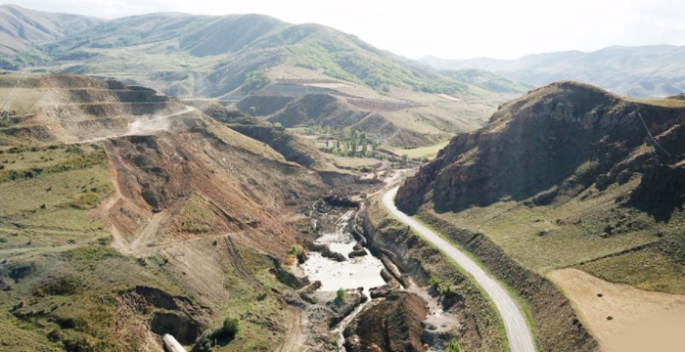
19, 27
488, 80
261, 64
645, 71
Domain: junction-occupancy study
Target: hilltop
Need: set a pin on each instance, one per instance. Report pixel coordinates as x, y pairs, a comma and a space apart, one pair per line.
259, 62
22, 28
642, 71
569, 181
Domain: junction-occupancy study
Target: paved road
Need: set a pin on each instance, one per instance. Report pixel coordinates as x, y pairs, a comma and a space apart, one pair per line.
518, 332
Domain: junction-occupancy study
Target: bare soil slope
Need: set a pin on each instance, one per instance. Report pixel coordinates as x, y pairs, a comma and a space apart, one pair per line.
155, 219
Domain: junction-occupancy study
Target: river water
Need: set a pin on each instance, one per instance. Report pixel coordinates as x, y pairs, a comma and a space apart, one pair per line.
351, 274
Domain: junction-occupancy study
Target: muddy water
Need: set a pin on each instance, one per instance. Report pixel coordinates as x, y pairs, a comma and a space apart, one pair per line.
354, 273
351, 274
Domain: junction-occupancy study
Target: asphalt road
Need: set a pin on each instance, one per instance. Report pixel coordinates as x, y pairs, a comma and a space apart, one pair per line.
518, 332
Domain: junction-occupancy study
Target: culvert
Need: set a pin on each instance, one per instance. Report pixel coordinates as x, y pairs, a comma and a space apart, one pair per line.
183, 328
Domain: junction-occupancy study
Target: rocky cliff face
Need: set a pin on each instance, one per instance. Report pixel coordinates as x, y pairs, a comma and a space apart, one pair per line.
557, 140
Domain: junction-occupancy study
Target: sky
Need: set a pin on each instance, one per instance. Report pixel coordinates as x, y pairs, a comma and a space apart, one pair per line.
454, 29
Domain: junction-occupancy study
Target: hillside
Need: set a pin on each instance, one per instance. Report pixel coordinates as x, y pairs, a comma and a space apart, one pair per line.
261, 62
126, 215
488, 80
21, 29
569, 177
646, 71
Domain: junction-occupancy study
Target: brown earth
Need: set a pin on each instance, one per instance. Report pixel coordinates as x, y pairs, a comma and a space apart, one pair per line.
567, 163
392, 324
636, 315
198, 204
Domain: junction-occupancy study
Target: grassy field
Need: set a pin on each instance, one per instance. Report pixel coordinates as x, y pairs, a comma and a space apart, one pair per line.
46, 195
345, 162
547, 238
429, 152
668, 103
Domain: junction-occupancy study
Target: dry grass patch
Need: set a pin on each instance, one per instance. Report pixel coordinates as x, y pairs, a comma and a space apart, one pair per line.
629, 308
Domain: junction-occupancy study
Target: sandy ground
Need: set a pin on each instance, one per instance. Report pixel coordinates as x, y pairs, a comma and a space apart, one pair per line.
443, 322
640, 320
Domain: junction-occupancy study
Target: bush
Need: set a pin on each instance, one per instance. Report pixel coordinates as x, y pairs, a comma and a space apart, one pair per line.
341, 295
453, 346
296, 249
230, 328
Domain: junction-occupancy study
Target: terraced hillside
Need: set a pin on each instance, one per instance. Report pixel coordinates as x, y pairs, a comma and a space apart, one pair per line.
269, 68
569, 177
126, 215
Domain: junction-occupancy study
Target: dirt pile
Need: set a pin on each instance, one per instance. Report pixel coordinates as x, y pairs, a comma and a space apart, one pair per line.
393, 324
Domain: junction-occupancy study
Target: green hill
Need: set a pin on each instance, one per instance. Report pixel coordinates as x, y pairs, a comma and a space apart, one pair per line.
641, 71
260, 62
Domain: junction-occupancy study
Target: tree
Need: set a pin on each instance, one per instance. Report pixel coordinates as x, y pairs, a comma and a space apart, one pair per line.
404, 159
252, 110
347, 133
363, 142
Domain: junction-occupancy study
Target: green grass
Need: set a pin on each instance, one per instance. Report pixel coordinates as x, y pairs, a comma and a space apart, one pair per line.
576, 239
429, 152
665, 103
448, 273
647, 269
78, 285
522, 304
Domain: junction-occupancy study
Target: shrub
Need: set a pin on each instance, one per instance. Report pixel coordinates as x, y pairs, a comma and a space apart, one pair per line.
341, 295
453, 346
296, 249
230, 328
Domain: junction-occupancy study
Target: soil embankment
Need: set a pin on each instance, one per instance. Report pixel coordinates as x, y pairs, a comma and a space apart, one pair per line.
392, 324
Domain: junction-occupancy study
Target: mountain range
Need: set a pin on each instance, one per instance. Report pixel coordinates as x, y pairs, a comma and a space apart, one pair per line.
258, 58
643, 71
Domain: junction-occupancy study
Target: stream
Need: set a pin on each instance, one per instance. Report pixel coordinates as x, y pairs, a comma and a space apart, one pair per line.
351, 274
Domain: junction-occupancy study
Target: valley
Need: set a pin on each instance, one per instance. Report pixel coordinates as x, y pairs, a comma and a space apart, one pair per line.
186, 182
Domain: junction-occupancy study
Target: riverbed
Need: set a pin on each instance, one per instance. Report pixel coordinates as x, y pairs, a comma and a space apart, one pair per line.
351, 274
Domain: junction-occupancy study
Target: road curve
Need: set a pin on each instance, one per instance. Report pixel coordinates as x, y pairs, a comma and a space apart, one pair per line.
518, 332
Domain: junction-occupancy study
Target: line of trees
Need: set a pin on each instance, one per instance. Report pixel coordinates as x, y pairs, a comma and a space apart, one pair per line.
351, 144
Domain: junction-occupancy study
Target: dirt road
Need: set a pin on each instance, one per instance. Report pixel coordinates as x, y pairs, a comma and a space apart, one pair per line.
518, 332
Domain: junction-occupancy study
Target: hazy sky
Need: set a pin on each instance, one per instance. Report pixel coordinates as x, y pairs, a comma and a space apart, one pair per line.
444, 28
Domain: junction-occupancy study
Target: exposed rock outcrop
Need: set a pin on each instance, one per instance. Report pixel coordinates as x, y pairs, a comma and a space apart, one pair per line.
565, 135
